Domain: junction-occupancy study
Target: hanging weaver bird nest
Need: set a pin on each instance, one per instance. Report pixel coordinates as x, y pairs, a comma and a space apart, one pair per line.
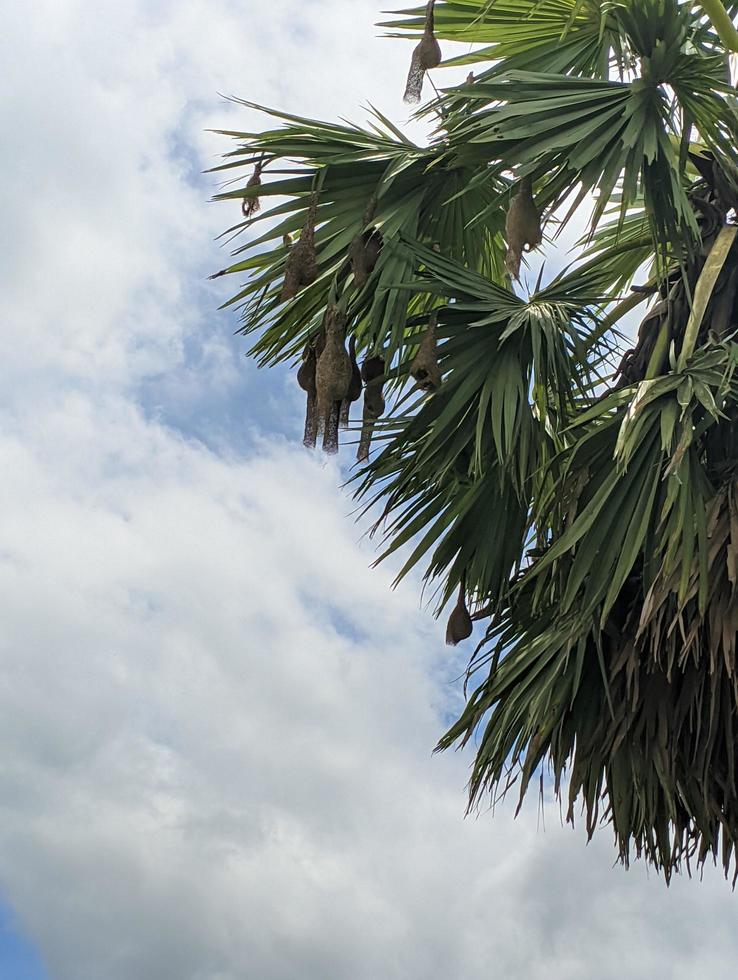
460, 626
333, 375
355, 386
365, 248
425, 368
302, 264
427, 55
372, 374
251, 204
306, 380
522, 227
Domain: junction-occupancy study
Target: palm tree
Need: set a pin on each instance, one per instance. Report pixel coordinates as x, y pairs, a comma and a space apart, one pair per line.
576, 501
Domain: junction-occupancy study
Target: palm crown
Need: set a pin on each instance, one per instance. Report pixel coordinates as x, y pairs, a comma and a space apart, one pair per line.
577, 501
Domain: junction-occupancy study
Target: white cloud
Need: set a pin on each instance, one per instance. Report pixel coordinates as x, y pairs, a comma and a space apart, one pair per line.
216, 721
217, 725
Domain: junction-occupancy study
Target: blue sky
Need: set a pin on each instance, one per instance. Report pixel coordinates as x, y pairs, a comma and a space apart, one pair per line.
216, 720
19, 959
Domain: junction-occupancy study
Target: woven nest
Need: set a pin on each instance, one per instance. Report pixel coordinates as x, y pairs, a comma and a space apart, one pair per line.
460, 626
333, 377
372, 374
522, 227
301, 268
427, 55
425, 368
251, 204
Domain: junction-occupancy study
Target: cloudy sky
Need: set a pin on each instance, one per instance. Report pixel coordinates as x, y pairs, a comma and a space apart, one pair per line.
216, 722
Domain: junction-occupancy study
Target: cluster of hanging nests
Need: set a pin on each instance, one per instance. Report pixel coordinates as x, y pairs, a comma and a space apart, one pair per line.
329, 373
